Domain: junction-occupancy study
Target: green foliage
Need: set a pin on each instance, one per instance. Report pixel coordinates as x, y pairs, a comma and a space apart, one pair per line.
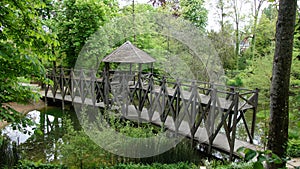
222, 44
237, 82
191, 10
293, 149
195, 12
138, 8
23, 45
235, 165
179, 165
295, 76
25, 164
265, 37
259, 157
258, 75
17, 119
78, 150
75, 21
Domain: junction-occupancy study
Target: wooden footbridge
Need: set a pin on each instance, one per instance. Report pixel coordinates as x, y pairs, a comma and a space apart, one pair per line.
208, 113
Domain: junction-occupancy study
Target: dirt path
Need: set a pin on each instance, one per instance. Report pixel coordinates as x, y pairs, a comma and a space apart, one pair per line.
293, 163
23, 108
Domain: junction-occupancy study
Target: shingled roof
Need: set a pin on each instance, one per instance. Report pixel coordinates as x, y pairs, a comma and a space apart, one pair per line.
128, 53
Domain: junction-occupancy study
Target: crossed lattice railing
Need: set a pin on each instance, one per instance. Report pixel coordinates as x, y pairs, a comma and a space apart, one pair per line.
208, 106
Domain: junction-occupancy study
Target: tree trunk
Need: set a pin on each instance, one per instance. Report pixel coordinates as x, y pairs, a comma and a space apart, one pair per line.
279, 117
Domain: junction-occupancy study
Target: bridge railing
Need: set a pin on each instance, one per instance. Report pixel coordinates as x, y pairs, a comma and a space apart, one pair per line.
75, 84
206, 107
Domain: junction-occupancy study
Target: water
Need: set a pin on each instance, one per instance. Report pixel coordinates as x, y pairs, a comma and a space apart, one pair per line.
40, 141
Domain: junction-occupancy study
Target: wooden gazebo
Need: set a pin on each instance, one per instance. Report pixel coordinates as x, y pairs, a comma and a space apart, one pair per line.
125, 54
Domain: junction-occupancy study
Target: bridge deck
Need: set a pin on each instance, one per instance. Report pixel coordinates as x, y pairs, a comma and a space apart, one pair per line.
219, 143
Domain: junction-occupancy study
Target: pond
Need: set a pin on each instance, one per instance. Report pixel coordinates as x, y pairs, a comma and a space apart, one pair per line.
41, 142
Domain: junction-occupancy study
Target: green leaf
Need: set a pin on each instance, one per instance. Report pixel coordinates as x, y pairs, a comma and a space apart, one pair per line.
249, 154
261, 158
258, 165
241, 149
276, 159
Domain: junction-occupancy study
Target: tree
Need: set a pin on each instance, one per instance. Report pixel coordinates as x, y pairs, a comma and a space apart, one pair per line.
191, 10
195, 12
221, 7
222, 42
279, 94
264, 36
75, 21
257, 7
237, 16
22, 48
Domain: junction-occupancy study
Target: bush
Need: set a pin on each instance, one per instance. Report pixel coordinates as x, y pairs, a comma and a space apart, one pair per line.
293, 148
37, 165
180, 165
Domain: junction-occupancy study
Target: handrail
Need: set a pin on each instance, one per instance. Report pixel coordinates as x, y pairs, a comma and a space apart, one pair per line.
200, 102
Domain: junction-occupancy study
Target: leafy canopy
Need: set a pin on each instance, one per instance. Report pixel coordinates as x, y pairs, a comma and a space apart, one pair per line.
23, 45
75, 21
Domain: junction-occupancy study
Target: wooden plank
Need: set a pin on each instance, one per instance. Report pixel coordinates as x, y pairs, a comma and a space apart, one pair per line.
220, 142
77, 99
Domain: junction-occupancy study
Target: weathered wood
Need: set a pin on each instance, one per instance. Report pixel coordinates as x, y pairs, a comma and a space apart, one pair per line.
190, 108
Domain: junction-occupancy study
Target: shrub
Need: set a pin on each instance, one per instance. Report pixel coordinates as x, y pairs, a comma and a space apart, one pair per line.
293, 148
37, 165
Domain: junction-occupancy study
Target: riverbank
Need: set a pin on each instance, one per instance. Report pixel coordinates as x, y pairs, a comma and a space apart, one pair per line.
23, 108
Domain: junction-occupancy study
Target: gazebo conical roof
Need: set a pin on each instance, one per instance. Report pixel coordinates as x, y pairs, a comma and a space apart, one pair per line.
128, 53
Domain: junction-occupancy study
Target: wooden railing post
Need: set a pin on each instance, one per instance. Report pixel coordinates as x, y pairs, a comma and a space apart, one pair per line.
106, 84
151, 88
92, 85
46, 89
234, 124
72, 92
211, 118
81, 85
194, 112
254, 114
62, 91
177, 108
54, 88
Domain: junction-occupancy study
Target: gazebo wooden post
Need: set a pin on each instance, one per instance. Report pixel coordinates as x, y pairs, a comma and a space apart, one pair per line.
140, 73
106, 83
128, 54
130, 72
140, 91
151, 64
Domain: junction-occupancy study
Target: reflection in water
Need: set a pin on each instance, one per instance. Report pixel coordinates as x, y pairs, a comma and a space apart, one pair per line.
9, 154
17, 135
40, 142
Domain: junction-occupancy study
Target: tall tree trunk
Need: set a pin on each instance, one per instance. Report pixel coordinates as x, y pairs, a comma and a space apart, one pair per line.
279, 117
